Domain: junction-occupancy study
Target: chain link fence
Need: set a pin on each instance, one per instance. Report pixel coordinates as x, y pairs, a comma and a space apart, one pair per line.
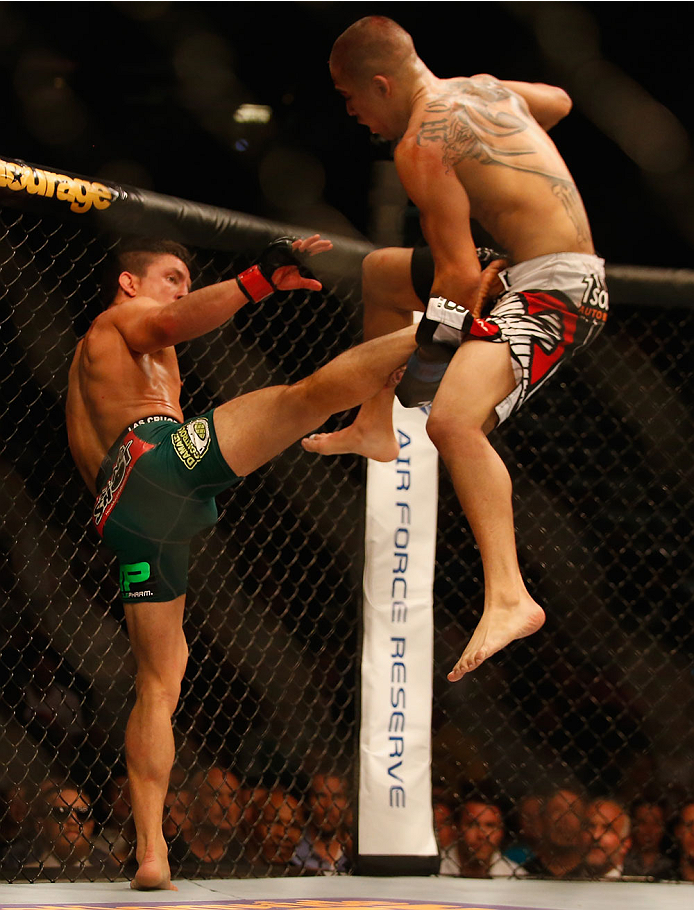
600, 701
272, 610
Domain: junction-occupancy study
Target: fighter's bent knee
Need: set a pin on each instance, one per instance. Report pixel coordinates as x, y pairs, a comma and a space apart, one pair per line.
375, 262
450, 431
387, 280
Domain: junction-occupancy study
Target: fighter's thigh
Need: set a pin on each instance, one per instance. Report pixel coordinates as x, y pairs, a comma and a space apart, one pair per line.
477, 379
157, 639
257, 426
387, 280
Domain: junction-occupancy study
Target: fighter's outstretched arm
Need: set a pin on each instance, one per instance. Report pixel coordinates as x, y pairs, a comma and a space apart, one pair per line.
148, 326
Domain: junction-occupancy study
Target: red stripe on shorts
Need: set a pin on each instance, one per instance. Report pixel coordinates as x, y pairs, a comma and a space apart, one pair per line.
130, 450
542, 361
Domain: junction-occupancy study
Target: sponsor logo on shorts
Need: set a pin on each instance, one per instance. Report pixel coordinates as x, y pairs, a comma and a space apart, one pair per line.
134, 573
115, 482
192, 441
592, 313
130, 451
81, 194
155, 418
595, 301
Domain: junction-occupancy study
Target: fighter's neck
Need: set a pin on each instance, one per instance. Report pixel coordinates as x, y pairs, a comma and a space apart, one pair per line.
424, 83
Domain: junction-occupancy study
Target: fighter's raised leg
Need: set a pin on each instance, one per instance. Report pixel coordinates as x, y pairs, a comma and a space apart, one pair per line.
389, 301
255, 427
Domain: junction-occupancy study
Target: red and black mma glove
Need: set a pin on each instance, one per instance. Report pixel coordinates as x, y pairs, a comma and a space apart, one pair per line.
256, 282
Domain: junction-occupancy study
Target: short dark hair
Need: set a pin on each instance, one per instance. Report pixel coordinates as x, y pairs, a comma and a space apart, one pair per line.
371, 46
648, 799
485, 792
135, 254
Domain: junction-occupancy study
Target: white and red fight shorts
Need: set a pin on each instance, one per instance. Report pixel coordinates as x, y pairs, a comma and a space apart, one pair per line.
553, 307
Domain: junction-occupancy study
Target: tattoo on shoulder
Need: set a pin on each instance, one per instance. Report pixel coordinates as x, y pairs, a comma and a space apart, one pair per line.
473, 119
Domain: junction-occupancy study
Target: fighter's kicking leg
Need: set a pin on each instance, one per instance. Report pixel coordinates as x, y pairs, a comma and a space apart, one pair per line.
255, 427
159, 645
390, 297
478, 378
389, 301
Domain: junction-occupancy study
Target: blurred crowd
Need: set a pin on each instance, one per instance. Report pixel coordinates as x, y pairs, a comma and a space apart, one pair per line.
560, 833
214, 823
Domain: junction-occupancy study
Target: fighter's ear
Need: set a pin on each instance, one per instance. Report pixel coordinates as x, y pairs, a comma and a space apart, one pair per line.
128, 283
382, 85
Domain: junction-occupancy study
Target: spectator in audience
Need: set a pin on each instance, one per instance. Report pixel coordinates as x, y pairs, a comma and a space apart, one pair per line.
65, 827
278, 826
15, 838
178, 813
446, 833
219, 798
481, 832
684, 832
528, 827
559, 850
327, 842
216, 834
646, 857
607, 838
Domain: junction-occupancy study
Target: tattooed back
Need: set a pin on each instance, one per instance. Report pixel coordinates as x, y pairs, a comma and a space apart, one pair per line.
517, 184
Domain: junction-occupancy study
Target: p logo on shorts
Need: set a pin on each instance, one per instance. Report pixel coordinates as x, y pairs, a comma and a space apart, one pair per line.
134, 573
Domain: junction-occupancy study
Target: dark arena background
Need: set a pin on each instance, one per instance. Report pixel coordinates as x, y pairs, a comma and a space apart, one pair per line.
217, 124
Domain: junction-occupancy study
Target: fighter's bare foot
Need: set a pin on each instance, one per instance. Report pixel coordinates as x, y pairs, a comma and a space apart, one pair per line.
371, 434
497, 628
381, 447
153, 875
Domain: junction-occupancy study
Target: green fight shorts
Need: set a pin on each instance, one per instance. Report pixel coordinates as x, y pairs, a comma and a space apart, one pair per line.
156, 489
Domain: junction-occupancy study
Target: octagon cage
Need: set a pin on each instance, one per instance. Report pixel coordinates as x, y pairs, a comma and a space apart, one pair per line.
599, 702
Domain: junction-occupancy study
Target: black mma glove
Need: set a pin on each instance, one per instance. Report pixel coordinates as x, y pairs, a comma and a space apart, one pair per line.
256, 282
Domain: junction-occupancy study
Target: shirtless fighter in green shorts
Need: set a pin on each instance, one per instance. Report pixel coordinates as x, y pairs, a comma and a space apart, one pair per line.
155, 474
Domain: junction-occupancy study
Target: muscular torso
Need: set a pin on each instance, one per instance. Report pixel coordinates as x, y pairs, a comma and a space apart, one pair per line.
110, 387
518, 186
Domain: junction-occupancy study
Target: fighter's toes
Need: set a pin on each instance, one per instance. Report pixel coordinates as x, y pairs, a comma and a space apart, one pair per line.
467, 663
314, 442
